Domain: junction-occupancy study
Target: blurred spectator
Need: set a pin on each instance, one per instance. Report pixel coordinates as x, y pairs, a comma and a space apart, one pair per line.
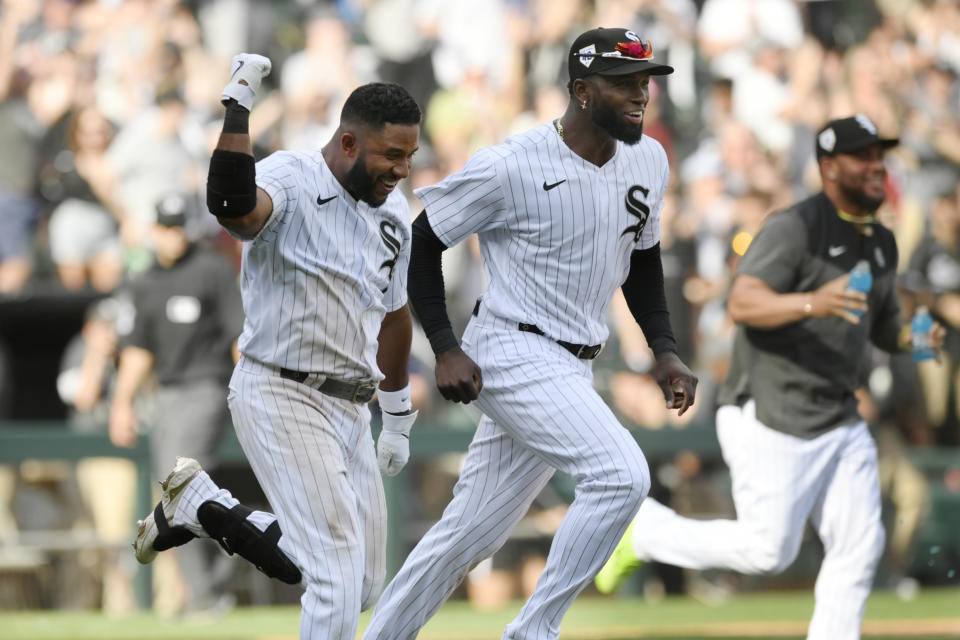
765, 76
83, 229
932, 133
313, 101
727, 29
107, 485
150, 161
20, 132
400, 33
934, 280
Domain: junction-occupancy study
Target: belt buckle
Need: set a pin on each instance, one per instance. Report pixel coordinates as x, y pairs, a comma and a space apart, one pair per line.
362, 393
589, 351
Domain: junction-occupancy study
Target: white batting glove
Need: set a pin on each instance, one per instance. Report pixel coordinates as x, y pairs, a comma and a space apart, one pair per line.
251, 69
393, 446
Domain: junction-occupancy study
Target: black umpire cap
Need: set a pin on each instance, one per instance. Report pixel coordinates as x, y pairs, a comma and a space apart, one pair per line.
172, 210
847, 135
612, 52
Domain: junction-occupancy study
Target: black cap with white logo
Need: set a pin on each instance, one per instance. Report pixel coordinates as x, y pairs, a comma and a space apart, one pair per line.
847, 135
172, 210
612, 52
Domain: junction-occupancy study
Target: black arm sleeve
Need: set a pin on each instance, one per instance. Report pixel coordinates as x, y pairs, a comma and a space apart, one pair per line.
425, 286
231, 179
231, 184
643, 291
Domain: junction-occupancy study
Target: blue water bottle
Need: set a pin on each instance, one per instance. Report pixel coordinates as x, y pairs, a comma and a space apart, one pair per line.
920, 328
860, 280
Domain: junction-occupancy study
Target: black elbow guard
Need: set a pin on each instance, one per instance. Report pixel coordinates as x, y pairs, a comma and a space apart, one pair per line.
231, 184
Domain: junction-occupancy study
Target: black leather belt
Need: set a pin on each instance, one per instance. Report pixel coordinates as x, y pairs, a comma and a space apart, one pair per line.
359, 392
582, 351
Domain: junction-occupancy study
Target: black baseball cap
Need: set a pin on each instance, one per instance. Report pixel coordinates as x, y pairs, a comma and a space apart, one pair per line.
172, 210
847, 135
612, 52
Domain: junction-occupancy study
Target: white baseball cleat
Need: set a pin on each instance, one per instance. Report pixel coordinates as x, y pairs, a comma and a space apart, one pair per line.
154, 533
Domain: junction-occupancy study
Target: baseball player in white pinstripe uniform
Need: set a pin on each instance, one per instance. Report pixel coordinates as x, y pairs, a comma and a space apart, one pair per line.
788, 423
565, 213
325, 257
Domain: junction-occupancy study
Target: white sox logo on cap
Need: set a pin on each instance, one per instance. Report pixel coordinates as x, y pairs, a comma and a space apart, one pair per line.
587, 60
866, 123
827, 140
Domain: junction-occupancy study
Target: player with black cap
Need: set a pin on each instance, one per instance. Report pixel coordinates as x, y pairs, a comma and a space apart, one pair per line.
787, 423
187, 318
566, 213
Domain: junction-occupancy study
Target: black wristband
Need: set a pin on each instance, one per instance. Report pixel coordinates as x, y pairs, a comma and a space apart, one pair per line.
237, 118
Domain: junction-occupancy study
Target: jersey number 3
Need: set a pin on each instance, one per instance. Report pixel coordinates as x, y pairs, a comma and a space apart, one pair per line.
637, 207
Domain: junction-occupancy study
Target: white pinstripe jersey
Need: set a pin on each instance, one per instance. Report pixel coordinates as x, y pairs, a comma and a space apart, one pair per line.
556, 232
319, 277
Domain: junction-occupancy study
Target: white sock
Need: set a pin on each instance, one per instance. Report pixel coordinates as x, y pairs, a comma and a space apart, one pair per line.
198, 491
201, 489
261, 519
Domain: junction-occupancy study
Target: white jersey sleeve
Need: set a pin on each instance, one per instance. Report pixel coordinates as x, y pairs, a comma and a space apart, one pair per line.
395, 296
466, 202
277, 175
651, 159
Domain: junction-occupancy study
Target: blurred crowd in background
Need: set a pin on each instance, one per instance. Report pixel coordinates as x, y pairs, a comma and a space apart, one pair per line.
109, 106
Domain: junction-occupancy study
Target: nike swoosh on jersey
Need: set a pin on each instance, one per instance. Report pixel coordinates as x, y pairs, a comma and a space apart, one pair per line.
322, 200
547, 187
836, 251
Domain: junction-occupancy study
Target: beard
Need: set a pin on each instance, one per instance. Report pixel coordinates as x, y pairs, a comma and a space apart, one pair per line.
866, 203
360, 184
616, 127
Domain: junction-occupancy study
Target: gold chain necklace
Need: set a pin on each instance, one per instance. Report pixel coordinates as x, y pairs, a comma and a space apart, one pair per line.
863, 221
559, 127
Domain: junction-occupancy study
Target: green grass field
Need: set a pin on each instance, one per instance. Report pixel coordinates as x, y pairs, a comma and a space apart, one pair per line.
934, 614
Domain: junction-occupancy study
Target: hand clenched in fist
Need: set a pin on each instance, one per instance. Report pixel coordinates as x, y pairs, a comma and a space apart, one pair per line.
246, 72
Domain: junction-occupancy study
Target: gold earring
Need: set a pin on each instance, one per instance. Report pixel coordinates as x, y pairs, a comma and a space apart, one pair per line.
583, 106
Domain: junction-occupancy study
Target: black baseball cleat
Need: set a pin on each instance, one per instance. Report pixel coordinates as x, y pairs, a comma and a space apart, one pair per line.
154, 533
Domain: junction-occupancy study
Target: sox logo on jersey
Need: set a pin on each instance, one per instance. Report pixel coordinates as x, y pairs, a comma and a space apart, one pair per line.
639, 208
389, 235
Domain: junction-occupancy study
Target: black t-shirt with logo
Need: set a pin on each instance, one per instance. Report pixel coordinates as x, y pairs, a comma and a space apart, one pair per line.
188, 316
802, 375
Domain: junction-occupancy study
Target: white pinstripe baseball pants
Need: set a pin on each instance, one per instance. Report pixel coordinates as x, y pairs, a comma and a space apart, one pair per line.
314, 458
779, 481
541, 414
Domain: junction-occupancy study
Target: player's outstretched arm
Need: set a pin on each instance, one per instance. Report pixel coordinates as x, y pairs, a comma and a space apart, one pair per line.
459, 378
754, 303
232, 193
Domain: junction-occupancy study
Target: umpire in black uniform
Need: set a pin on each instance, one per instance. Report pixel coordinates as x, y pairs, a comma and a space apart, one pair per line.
187, 317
